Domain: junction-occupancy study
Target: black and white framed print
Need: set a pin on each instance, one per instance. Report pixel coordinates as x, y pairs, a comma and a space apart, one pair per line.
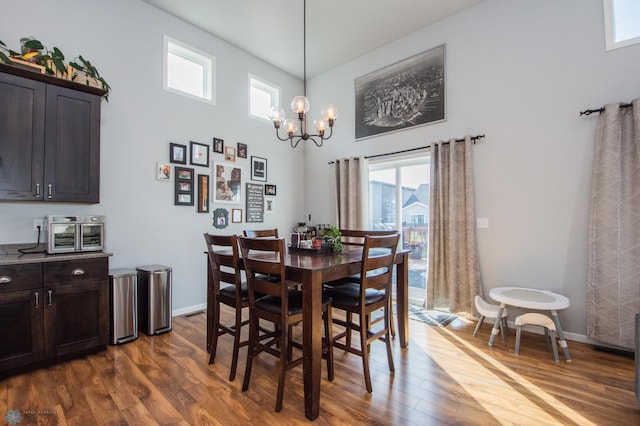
199, 154
402, 95
269, 189
258, 169
177, 153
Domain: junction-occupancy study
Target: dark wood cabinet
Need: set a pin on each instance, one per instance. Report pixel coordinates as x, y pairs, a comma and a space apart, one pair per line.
52, 310
49, 139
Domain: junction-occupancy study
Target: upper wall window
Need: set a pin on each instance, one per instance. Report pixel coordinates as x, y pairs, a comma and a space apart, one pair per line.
262, 97
188, 71
621, 23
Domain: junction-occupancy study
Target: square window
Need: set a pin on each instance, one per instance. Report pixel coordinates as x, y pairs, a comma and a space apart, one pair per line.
621, 23
262, 97
188, 71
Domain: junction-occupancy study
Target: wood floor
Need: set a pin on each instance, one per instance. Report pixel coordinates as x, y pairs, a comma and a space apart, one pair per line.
445, 377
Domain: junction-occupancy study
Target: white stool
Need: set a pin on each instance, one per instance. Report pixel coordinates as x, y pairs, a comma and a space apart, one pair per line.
540, 321
487, 310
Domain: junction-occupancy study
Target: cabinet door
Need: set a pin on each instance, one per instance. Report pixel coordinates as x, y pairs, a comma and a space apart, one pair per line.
72, 150
21, 330
22, 104
76, 317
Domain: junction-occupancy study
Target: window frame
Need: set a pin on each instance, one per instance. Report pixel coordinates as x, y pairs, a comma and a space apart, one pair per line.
207, 61
610, 28
266, 86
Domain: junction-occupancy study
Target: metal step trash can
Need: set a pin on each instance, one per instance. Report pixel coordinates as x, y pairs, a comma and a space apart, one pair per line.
123, 303
154, 299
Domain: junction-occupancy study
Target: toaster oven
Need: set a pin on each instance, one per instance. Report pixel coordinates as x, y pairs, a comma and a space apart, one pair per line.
67, 234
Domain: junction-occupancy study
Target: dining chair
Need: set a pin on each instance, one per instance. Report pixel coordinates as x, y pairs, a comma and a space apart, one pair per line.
489, 310
365, 296
224, 260
265, 257
260, 233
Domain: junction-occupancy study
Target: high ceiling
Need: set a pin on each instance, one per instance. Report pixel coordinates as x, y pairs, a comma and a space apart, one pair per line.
337, 30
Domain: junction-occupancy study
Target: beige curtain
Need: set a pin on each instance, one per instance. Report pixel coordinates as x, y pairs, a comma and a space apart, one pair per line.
613, 276
454, 271
350, 193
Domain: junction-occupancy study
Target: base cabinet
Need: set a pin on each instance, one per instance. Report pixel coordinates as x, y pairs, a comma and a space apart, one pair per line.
65, 311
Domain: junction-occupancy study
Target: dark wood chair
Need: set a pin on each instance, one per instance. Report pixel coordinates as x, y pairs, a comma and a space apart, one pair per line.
265, 257
365, 296
224, 260
260, 233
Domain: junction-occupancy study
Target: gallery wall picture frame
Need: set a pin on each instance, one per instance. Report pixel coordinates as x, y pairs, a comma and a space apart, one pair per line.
269, 189
218, 145
177, 153
402, 95
236, 215
163, 172
269, 206
230, 154
220, 218
183, 186
203, 193
258, 169
242, 150
254, 205
199, 154
229, 183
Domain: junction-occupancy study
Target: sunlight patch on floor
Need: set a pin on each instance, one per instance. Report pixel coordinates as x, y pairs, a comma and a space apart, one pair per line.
487, 388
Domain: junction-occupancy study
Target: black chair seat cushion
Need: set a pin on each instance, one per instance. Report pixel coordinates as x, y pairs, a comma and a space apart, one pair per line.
272, 303
229, 292
348, 295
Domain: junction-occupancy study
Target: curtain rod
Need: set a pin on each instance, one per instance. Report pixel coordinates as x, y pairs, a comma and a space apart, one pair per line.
473, 138
591, 111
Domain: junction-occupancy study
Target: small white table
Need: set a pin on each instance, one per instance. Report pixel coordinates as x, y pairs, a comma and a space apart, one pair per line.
530, 298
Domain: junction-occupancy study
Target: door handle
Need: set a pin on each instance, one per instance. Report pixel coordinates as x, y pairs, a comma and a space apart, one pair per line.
5, 279
50, 190
49, 293
37, 190
78, 271
37, 299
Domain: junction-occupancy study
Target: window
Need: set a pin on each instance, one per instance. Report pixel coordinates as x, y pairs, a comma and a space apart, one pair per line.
262, 97
399, 199
188, 71
621, 23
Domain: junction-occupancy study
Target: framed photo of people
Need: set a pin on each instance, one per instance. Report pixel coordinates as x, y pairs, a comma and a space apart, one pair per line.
183, 186
408, 93
229, 183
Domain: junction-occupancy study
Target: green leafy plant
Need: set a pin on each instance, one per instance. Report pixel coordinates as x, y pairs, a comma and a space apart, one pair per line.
4, 50
86, 68
334, 234
45, 57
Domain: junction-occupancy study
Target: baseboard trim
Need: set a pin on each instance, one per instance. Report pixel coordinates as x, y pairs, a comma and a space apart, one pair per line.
189, 310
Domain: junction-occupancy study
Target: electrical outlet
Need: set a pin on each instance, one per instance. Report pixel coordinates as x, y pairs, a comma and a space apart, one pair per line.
36, 223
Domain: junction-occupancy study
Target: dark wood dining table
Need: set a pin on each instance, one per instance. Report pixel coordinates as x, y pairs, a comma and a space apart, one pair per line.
312, 270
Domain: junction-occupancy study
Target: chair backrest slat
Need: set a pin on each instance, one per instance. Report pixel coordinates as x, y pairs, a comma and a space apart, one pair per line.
352, 237
260, 233
378, 255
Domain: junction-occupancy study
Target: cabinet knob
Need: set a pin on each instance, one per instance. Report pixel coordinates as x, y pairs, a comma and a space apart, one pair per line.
5, 279
78, 271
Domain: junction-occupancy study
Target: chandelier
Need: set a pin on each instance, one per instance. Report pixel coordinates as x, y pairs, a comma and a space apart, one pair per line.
296, 128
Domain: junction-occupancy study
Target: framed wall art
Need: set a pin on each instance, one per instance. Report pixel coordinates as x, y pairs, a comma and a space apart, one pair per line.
402, 95
255, 203
163, 172
177, 153
269, 189
230, 154
221, 218
218, 145
258, 168
199, 154
203, 193
242, 150
268, 206
183, 186
228, 184
236, 215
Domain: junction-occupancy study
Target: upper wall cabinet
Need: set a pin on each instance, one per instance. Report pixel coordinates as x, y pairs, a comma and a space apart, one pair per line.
49, 138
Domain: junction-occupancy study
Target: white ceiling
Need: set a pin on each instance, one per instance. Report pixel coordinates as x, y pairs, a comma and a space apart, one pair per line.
337, 30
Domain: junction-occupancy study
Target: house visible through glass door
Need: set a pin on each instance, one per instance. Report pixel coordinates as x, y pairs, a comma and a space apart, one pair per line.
399, 199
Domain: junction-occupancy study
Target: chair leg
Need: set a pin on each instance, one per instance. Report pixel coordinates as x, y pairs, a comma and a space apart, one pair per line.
236, 345
555, 348
387, 340
328, 331
392, 323
253, 338
503, 330
546, 337
348, 338
365, 351
506, 325
284, 356
518, 333
480, 321
214, 337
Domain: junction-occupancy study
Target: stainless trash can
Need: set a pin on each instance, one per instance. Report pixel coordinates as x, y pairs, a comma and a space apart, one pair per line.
123, 303
154, 299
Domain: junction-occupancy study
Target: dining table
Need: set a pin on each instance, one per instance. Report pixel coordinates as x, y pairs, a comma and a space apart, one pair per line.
312, 269
534, 299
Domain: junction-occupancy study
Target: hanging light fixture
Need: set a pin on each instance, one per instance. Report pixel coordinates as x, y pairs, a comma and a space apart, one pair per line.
297, 128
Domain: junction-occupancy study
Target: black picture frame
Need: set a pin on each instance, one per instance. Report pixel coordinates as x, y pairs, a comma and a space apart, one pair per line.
254, 206
177, 153
242, 150
199, 154
218, 145
269, 189
258, 169
402, 95
220, 218
183, 186
203, 193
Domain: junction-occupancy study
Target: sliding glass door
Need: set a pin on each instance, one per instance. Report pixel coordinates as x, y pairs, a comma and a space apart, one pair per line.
399, 199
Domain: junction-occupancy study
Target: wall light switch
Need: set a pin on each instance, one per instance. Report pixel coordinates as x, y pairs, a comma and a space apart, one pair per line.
483, 222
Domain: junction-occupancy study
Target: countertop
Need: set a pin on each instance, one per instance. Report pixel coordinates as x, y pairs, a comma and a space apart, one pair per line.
9, 254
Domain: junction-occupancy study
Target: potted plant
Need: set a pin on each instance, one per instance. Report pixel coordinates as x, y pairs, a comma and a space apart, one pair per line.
86, 72
334, 234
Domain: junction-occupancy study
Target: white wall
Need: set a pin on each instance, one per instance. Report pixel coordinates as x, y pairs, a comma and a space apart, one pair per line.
123, 39
518, 72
